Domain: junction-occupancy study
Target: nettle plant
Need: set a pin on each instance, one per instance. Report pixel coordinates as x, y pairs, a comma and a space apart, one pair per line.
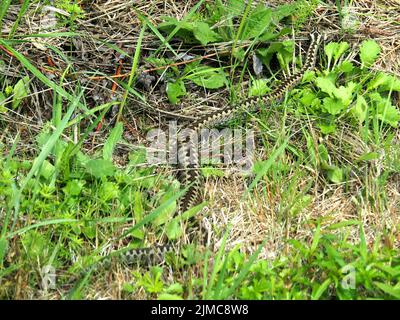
344, 89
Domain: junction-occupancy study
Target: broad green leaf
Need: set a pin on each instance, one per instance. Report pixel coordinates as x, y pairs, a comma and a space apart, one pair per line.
175, 90
47, 170
330, 50
360, 110
235, 7
173, 229
307, 97
283, 51
326, 85
369, 52
112, 140
207, 77
342, 48
100, 168
336, 175
332, 105
327, 127
185, 31
21, 90
345, 94
204, 34
384, 82
346, 67
74, 187
257, 22
388, 114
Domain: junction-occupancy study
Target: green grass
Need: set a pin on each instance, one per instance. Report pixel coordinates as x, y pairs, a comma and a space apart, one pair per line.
321, 197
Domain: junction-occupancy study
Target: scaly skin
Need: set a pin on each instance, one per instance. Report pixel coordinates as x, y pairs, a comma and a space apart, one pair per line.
189, 168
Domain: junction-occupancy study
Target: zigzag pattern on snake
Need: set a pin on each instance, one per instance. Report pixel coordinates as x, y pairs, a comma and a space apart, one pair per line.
188, 153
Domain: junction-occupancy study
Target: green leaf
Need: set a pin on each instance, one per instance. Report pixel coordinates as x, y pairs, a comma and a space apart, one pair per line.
173, 229
283, 51
368, 156
345, 94
112, 140
2, 102
388, 114
332, 105
360, 110
342, 48
100, 168
257, 22
326, 85
235, 7
47, 170
175, 90
74, 187
346, 67
384, 82
168, 296
336, 175
330, 50
204, 34
21, 90
327, 127
259, 87
3, 249
212, 172
394, 292
369, 52
208, 77
320, 289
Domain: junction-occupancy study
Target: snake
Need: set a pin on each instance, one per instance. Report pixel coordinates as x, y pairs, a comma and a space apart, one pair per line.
190, 174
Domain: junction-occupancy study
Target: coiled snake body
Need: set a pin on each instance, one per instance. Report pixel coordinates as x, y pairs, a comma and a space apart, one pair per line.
188, 151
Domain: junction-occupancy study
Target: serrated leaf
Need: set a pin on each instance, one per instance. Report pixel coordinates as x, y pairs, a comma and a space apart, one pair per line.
175, 90
21, 90
204, 34
388, 113
326, 85
332, 105
384, 82
346, 67
111, 142
369, 52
